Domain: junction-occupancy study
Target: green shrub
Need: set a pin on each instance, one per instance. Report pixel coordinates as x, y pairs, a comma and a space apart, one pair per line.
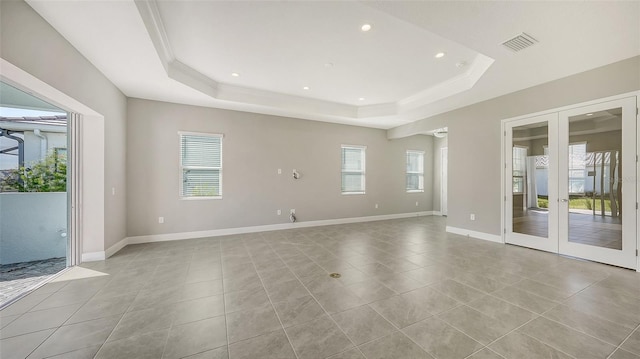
46, 175
543, 203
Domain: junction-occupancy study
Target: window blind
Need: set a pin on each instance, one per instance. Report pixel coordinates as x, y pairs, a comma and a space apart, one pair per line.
415, 171
201, 165
353, 169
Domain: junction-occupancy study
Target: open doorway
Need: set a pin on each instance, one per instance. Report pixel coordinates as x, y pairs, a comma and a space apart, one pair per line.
34, 188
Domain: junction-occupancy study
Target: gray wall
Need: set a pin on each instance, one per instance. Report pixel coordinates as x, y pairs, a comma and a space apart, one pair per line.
31, 226
254, 147
30, 43
474, 170
438, 144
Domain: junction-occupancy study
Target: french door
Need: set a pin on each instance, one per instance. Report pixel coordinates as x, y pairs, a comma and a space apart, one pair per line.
571, 182
532, 182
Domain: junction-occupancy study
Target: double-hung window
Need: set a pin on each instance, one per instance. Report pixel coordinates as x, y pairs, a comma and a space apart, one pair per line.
200, 165
577, 167
353, 169
519, 169
415, 171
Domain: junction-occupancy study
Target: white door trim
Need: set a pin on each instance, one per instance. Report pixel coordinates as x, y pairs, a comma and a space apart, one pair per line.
90, 174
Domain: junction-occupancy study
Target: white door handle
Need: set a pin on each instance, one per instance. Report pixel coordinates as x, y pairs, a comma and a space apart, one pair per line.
564, 200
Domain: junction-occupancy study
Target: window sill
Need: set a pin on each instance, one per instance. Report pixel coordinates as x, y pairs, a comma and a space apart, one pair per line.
200, 198
415, 191
351, 193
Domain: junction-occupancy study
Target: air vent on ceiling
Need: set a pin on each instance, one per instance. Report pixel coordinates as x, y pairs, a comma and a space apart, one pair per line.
519, 42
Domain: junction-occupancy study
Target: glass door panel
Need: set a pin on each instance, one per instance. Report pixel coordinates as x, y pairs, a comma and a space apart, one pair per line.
531, 183
597, 143
33, 192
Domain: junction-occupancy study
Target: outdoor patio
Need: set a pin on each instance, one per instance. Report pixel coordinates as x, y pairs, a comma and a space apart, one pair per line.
18, 278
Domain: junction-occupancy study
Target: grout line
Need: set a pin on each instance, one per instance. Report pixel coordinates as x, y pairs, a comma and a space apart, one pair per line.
316, 242
398, 329
224, 297
314, 298
619, 347
483, 348
77, 310
267, 293
534, 318
127, 311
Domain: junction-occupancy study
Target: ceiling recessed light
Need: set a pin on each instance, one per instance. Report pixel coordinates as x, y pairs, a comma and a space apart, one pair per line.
305, 88
589, 114
235, 74
361, 99
366, 27
440, 55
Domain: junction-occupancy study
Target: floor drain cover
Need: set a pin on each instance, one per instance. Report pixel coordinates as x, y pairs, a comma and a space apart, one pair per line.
335, 275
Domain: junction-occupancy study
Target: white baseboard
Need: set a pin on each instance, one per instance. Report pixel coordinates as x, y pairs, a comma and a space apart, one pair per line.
265, 228
93, 256
474, 234
436, 213
116, 247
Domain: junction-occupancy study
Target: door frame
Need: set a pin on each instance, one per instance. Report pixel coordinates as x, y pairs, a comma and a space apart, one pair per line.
444, 174
503, 183
88, 203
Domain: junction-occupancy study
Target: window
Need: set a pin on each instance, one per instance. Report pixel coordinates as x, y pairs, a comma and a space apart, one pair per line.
353, 169
200, 165
519, 168
577, 167
415, 171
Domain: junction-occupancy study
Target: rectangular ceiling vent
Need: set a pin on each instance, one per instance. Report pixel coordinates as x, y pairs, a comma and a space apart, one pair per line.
520, 42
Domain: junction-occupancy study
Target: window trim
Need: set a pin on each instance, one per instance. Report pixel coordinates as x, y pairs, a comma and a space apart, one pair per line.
406, 172
181, 167
363, 172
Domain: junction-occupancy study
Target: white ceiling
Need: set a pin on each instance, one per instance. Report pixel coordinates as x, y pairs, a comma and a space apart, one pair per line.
185, 51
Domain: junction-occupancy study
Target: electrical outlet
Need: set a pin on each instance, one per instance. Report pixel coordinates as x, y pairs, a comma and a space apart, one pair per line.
160, 220
376, 205
279, 171
416, 203
113, 191
472, 217
279, 212
293, 210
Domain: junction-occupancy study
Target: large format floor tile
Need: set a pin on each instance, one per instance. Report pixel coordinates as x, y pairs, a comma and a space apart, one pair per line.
408, 289
395, 345
441, 340
362, 324
318, 339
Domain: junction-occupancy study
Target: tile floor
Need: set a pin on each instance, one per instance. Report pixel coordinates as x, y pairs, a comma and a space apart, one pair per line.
408, 290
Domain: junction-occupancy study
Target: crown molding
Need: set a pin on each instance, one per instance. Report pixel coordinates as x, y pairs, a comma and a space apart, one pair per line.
290, 104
